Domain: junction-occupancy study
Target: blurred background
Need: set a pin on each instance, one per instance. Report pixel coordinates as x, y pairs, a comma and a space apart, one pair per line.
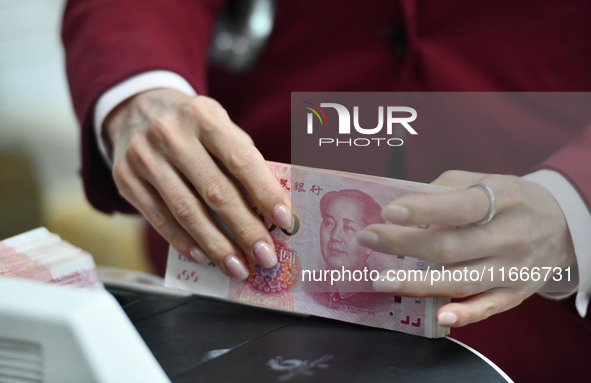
40, 183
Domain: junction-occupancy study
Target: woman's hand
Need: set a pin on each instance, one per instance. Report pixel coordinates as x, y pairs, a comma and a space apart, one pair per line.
175, 157
527, 231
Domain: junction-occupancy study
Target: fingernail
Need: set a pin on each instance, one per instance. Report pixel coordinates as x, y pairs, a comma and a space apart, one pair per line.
447, 319
236, 267
368, 239
198, 256
395, 213
283, 217
264, 254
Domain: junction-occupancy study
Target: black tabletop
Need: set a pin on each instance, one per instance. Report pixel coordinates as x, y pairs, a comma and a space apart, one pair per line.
198, 339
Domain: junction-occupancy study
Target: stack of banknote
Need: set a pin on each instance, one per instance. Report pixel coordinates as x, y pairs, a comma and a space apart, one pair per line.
43, 256
321, 269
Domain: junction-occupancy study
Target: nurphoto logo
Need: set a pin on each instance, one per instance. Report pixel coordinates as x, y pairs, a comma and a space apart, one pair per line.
394, 116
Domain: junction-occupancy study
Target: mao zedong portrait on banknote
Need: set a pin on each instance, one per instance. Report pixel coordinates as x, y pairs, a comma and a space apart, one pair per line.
344, 213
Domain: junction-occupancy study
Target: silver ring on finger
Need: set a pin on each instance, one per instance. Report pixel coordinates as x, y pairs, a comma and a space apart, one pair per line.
491, 198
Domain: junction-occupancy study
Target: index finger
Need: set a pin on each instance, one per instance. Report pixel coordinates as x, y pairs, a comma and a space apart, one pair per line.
233, 147
455, 208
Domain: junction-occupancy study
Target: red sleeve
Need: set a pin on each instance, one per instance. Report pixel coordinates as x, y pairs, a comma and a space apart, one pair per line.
573, 161
108, 41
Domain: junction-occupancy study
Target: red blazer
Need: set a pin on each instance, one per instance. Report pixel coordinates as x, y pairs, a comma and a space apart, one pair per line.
382, 45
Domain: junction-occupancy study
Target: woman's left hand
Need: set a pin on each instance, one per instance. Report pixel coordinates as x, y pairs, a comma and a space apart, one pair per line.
527, 234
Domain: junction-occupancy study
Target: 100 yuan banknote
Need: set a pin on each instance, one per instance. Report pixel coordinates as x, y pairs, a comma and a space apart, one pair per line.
321, 269
43, 256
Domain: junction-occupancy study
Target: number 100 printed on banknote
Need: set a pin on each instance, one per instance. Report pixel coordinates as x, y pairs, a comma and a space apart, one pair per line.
321, 269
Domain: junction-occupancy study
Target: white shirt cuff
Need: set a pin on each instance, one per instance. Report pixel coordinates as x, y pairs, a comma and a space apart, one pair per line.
578, 220
132, 86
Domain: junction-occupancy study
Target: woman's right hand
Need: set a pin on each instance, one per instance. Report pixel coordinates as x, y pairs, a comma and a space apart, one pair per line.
166, 151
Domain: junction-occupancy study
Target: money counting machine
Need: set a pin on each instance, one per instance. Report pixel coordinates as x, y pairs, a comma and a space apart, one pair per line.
126, 334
